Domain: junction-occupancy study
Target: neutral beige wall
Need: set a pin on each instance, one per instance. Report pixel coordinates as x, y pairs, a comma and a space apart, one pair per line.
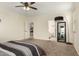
11, 25
76, 26
44, 14
41, 25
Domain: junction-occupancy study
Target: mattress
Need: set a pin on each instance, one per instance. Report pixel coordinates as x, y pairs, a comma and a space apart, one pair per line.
13, 48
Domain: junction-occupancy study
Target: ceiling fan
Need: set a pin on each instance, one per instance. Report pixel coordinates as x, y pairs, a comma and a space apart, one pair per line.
27, 5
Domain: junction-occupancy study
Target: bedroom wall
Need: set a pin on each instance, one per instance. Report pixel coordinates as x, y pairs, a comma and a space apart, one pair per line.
76, 26
41, 25
44, 14
11, 25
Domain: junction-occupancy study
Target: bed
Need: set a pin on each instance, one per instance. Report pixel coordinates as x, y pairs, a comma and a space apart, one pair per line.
14, 48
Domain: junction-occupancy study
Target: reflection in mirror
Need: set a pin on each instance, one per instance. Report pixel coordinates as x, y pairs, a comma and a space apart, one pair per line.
61, 31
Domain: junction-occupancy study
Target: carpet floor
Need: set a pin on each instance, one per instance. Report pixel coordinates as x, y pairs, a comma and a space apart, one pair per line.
53, 48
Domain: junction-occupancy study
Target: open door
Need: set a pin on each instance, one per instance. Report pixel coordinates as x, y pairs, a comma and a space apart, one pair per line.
31, 29
61, 31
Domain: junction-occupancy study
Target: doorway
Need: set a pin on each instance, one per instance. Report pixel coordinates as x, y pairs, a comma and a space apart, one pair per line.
31, 30
61, 31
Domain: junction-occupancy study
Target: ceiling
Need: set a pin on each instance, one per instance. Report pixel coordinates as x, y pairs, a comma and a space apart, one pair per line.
43, 7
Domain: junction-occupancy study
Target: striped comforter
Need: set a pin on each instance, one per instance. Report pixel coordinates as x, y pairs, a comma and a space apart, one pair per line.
13, 48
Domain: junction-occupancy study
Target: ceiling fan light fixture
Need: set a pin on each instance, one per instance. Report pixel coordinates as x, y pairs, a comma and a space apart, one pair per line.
26, 8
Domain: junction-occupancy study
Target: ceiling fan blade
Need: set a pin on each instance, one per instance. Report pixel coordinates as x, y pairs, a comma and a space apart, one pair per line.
19, 6
24, 3
32, 3
33, 7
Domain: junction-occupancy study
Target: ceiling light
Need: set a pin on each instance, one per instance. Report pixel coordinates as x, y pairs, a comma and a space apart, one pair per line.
26, 8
